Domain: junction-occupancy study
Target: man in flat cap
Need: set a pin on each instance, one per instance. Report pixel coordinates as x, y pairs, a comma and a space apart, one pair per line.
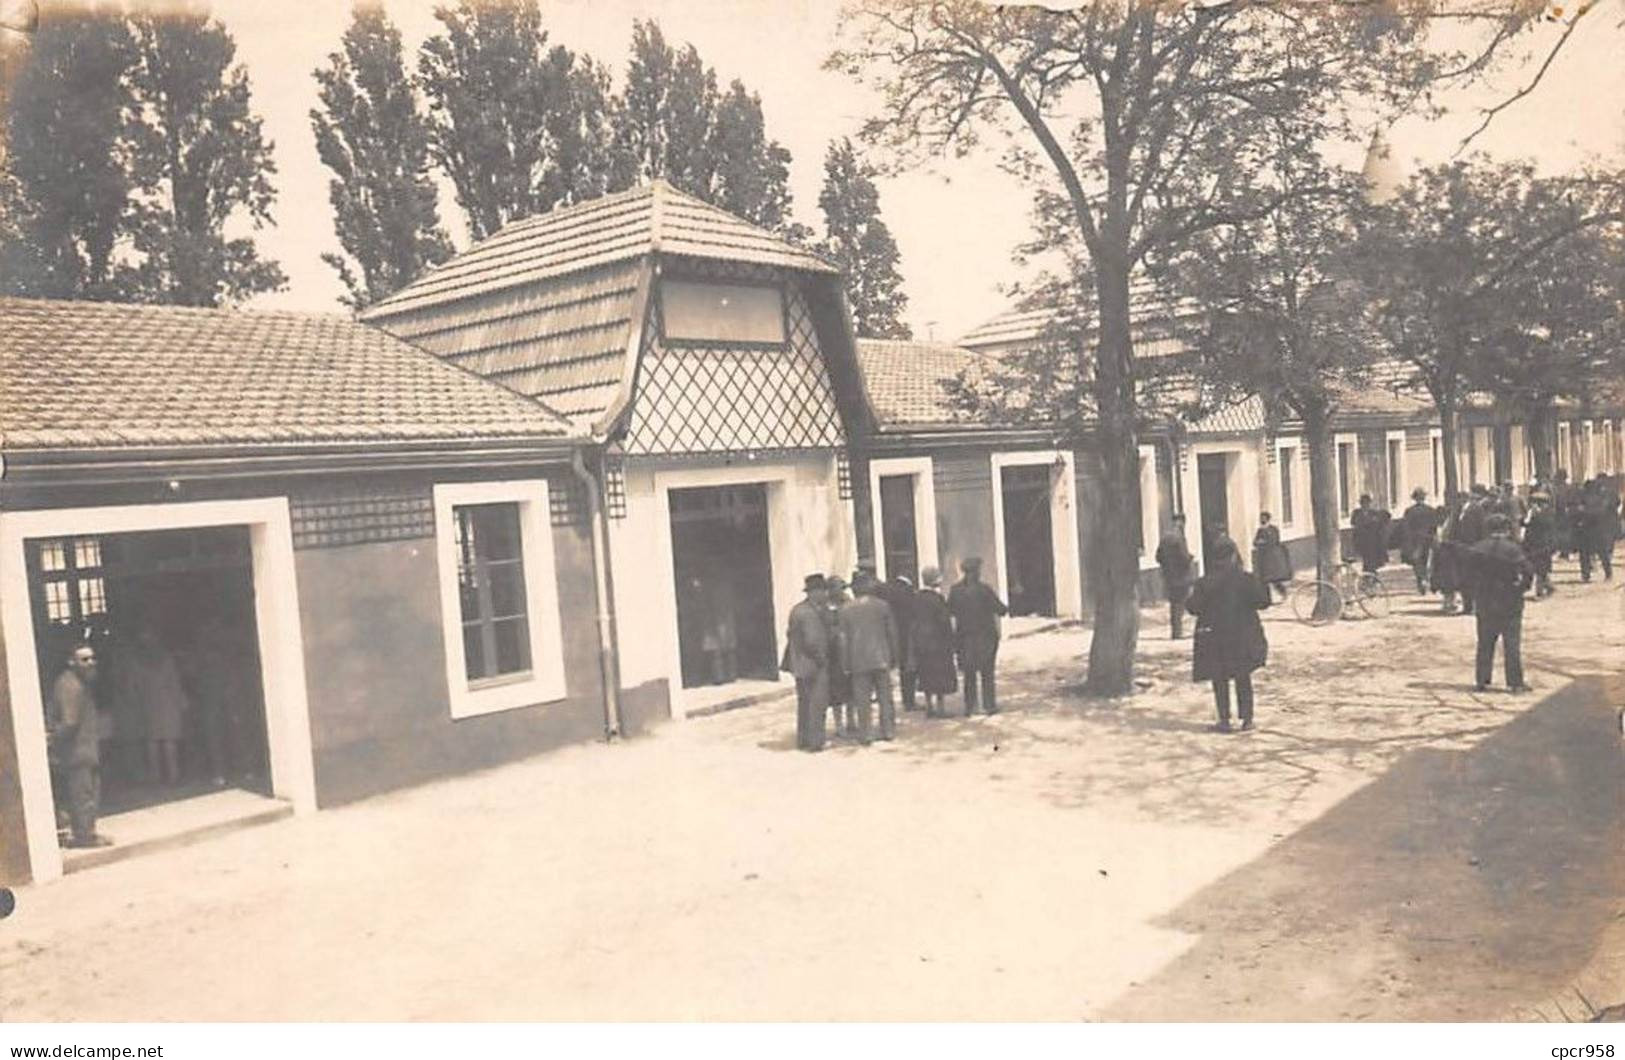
807, 656
976, 609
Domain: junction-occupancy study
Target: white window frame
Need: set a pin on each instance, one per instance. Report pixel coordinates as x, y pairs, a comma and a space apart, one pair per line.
1352, 440
546, 682
1150, 505
921, 469
1404, 479
1063, 525
1300, 494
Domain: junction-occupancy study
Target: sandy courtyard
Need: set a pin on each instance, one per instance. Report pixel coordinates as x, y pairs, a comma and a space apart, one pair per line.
1388, 845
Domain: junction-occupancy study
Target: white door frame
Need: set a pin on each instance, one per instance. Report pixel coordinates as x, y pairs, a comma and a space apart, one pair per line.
276, 619
925, 508
1063, 521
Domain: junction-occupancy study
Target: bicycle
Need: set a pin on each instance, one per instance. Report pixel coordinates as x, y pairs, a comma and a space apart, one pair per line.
1319, 601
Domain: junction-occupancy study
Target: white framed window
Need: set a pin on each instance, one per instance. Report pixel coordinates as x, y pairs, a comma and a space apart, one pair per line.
1290, 497
498, 596
1394, 468
1346, 448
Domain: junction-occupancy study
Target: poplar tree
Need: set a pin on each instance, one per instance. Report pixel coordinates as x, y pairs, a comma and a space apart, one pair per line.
856, 239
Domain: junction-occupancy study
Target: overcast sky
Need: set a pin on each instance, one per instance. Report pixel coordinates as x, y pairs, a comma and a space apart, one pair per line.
955, 224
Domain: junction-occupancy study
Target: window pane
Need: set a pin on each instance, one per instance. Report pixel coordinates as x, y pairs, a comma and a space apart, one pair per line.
57, 607
495, 531
474, 651
92, 597
722, 312
507, 589
513, 645
87, 552
53, 555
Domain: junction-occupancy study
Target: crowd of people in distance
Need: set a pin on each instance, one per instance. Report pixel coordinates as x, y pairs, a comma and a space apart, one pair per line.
1488, 547
842, 650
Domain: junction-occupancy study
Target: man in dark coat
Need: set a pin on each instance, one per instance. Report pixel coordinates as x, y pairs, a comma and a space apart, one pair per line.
1271, 562
899, 596
1540, 541
1470, 530
1420, 525
976, 609
1596, 527
1501, 574
933, 643
807, 656
73, 743
1177, 564
1565, 499
869, 638
1230, 642
840, 685
1370, 534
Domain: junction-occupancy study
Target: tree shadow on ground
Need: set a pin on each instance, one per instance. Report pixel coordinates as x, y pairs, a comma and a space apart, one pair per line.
1460, 885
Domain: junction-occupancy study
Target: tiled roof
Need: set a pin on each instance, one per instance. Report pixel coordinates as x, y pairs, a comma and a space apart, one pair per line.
905, 380
604, 231
1241, 417
104, 375
1018, 328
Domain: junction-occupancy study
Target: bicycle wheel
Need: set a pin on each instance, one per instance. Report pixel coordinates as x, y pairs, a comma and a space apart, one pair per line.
1316, 603
1372, 596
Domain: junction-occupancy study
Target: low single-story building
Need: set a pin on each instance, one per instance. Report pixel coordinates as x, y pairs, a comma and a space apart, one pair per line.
367, 567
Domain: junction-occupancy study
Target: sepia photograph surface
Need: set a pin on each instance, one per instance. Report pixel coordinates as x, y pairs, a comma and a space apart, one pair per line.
886, 511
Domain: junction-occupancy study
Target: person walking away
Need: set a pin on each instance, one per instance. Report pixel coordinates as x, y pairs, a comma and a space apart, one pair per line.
899, 596
1370, 534
1177, 564
73, 744
1470, 530
1565, 500
1445, 577
1597, 527
1501, 575
1230, 642
932, 644
1270, 560
1420, 527
840, 686
976, 610
869, 636
1540, 541
807, 657
1513, 507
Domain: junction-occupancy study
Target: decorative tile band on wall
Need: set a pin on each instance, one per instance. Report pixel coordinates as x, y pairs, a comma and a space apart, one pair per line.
361, 513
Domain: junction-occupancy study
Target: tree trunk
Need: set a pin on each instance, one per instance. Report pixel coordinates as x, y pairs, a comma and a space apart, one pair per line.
1444, 402
1317, 429
1114, 585
1537, 429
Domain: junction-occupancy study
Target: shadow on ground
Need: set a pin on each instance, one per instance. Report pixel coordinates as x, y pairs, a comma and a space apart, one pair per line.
1459, 886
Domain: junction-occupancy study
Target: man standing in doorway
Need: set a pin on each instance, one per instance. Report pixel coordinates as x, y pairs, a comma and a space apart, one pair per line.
1175, 561
869, 634
1500, 575
807, 657
976, 609
73, 738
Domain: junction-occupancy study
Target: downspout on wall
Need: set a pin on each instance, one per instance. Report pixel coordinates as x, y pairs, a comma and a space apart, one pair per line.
609, 657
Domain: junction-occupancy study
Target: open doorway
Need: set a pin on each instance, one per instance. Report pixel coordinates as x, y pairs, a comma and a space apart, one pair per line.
1213, 500
1029, 540
724, 580
900, 540
171, 614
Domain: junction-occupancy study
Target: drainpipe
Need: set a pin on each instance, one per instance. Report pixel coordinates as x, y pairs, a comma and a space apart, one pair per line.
609, 655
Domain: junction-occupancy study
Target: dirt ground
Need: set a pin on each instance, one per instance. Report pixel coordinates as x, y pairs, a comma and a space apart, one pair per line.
1388, 845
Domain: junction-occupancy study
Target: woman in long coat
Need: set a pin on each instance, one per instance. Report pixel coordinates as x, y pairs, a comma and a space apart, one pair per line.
1230, 642
1270, 561
933, 644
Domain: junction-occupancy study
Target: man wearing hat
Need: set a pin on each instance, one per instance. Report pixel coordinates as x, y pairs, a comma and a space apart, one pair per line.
807, 657
976, 609
1420, 525
840, 686
1500, 575
1540, 541
869, 644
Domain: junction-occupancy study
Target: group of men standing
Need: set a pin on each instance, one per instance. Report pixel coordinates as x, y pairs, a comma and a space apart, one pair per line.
842, 651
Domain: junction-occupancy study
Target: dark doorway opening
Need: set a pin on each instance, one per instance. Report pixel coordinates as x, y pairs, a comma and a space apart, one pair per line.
1029, 543
724, 574
1213, 499
171, 615
899, 534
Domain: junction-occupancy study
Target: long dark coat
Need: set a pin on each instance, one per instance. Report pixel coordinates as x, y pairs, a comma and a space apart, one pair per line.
1446, 576
1270, 560
1229, 637
933, 643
